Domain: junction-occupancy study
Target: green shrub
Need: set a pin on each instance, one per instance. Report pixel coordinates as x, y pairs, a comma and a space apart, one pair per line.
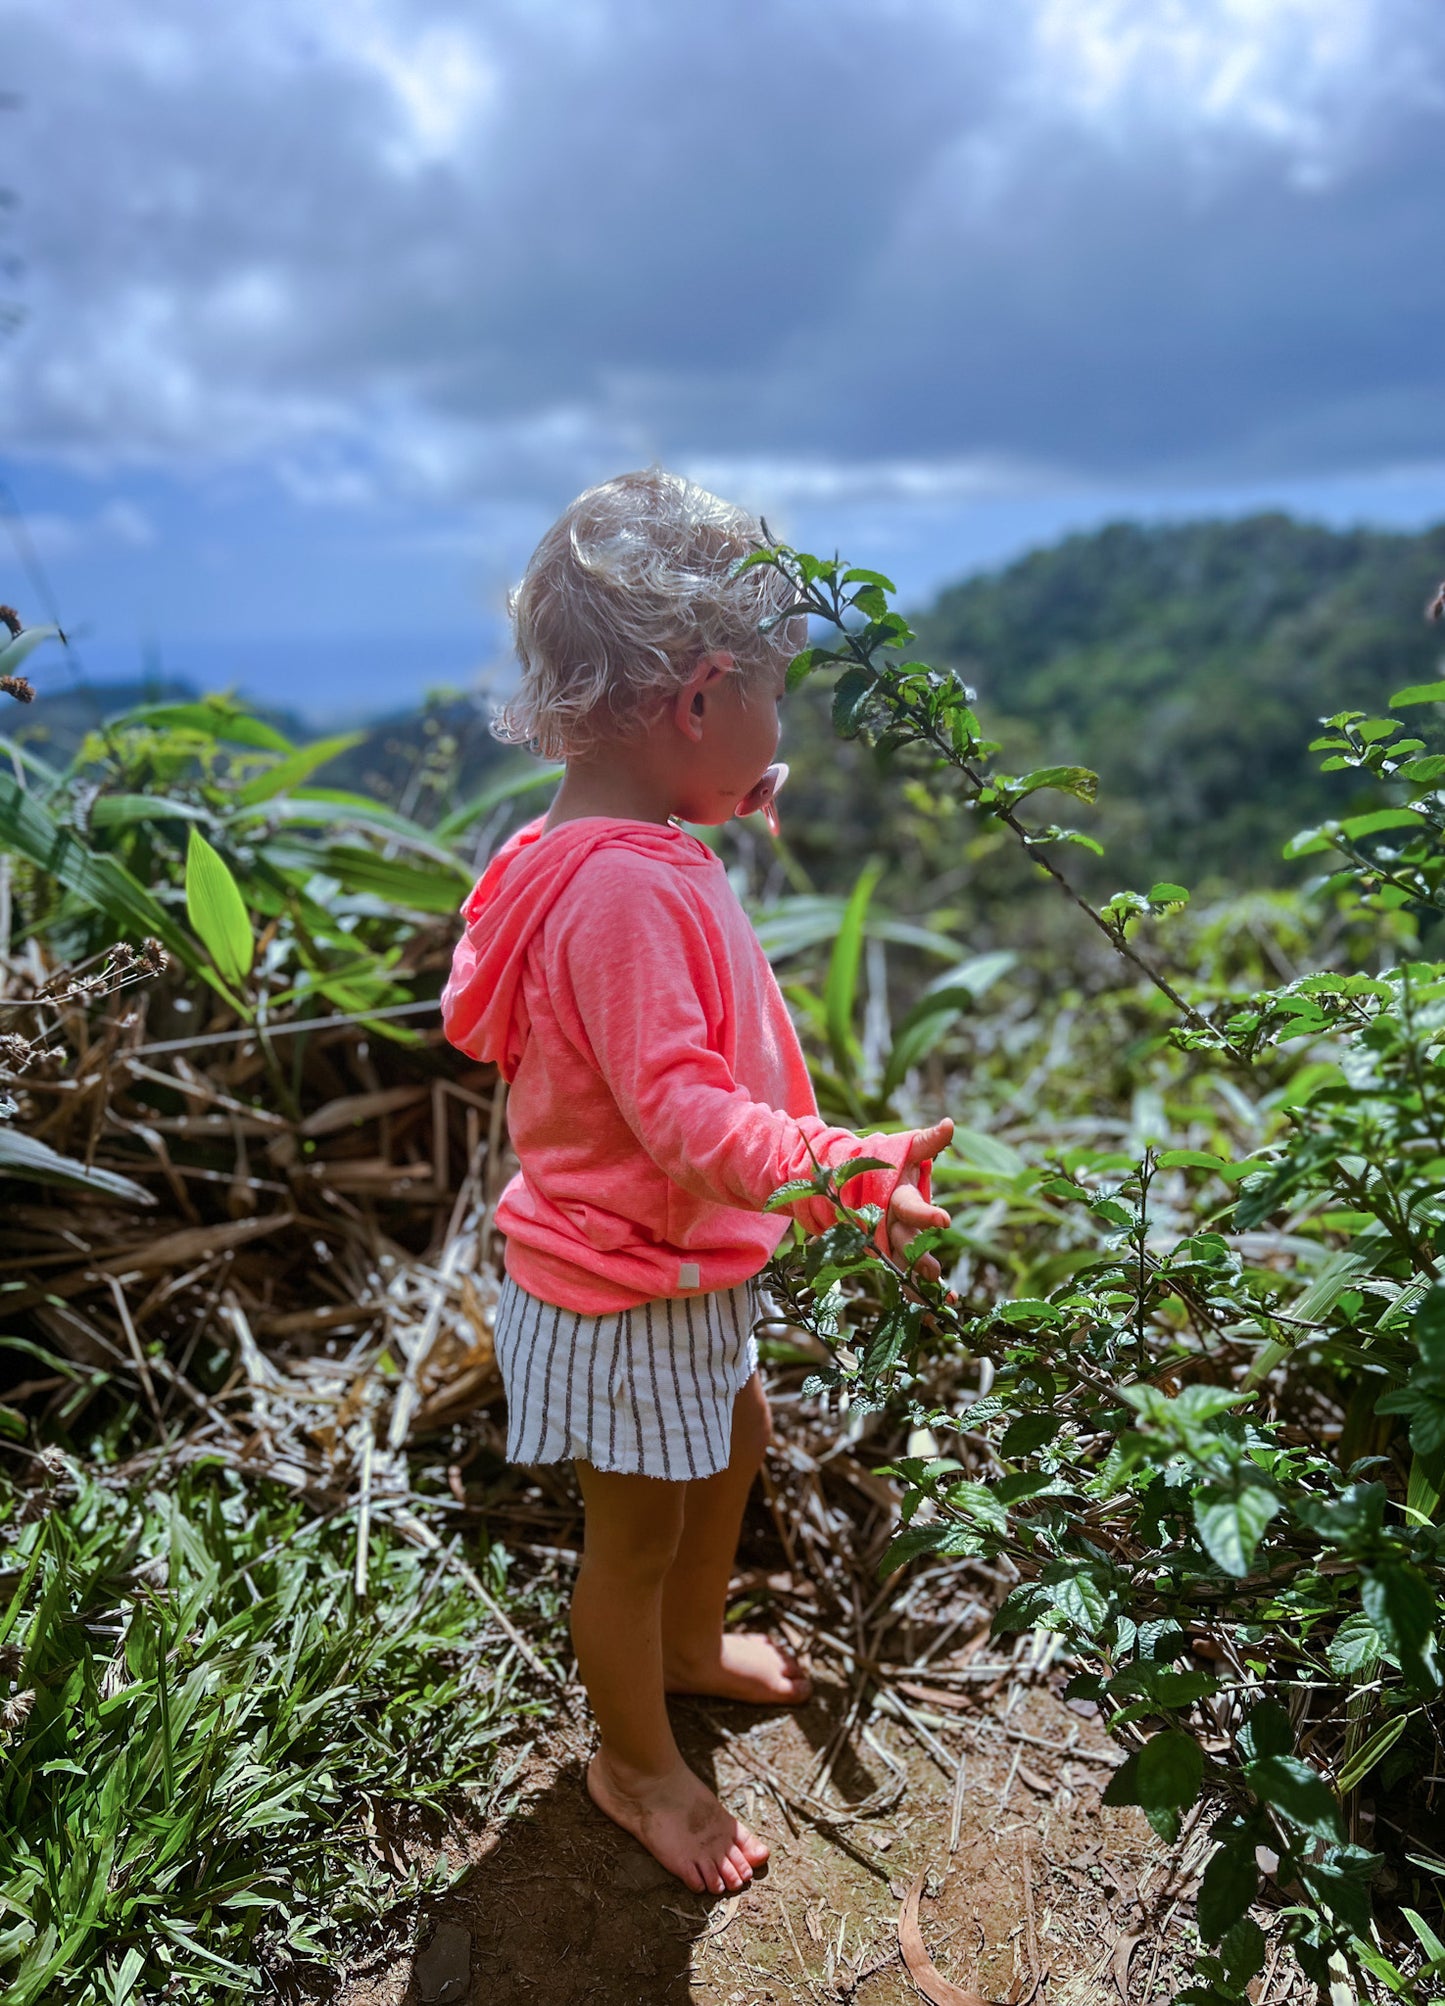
205, 1732
1214, 1428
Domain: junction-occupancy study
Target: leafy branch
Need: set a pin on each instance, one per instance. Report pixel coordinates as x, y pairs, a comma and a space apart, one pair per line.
916, 704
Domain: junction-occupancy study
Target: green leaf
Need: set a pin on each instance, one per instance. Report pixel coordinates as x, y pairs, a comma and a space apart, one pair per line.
336, 808
15, 653
1340, 1884
1123, 1785
1309, 842
789, 1194
1190, 1159
850, 1167
1424, 1488
1171, 1770
214, 717
1337, 1274
1414, 693
1380, 1967
1430, 1943
1163, 1784
1424, 772
940, 1005
1029, 1433
1401, 1604
850, 696
909, 1543
1428, 1327
1242, 1950
1298, 1793
1167, 894
1191, 1408
804, 663
461, 819
1227, 1889
1371, 1752
841, 985
298, 767
1423, 1399
217, 911
1266, 1732
805, 920
119, 811
1076, 780
1380, 819
413, 887
1356, 1646
27, 1156
1076, 1595
1231, 1519
98, 881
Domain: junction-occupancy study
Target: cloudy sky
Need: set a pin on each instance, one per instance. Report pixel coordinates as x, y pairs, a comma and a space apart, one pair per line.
325, 311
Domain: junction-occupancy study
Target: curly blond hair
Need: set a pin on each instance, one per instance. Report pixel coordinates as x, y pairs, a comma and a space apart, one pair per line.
626, 591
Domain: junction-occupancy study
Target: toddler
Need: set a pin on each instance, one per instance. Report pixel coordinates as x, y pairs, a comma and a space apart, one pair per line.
658, 1096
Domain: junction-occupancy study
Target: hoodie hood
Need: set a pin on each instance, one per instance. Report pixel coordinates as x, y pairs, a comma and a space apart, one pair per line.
483, 1013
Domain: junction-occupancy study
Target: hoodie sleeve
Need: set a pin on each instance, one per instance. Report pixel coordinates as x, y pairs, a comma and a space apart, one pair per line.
639, 1014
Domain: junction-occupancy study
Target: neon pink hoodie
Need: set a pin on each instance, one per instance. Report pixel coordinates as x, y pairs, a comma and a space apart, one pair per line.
659, 1095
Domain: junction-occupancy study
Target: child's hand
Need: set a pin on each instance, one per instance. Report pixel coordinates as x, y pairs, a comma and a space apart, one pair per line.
909, 1212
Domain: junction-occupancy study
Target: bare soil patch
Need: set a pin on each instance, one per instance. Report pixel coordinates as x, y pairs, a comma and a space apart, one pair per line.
1043, 1883
926, 1750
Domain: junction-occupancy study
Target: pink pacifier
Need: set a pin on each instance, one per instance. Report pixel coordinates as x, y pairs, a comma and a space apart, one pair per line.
761, 799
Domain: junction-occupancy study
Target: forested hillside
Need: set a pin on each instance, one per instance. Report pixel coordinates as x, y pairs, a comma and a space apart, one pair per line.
1188, 665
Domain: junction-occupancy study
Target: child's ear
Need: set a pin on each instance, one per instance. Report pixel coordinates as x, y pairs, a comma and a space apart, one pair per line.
688, 706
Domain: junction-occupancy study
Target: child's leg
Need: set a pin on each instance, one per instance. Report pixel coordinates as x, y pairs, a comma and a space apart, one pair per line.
698, 1657
632, 1528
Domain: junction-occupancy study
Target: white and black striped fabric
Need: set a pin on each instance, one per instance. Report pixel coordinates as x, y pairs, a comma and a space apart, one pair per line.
647, 1391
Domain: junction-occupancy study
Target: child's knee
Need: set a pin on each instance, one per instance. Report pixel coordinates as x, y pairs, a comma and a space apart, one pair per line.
635, 1544
642, 1559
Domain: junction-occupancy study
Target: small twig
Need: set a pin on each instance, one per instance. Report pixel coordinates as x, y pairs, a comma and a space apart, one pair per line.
1036, 1963
363, 1515
1074, 1753
807, 1976
1004, 1794
123, 1309
958, 1788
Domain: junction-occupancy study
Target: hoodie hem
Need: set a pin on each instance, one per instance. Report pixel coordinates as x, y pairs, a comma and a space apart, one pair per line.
567, 1286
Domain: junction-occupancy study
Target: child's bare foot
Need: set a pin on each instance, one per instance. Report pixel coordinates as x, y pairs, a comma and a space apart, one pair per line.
745, 1667
680, 1822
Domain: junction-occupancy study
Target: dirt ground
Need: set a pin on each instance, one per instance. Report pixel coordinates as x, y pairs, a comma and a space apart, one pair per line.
926, 1750
1041, 1893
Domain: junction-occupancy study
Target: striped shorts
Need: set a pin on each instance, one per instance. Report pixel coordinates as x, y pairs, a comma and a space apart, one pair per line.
647, 1391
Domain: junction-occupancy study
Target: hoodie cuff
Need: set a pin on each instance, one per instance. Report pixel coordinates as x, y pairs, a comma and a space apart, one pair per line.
876, 1187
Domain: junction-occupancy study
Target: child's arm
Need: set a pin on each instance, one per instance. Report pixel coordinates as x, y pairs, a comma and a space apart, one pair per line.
633, 980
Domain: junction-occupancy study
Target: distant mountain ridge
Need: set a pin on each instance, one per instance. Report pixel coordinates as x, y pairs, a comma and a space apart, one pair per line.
55, 725
1188, 664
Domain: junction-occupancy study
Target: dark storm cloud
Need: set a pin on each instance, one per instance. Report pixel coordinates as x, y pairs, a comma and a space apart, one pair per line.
1109, 320
501, 251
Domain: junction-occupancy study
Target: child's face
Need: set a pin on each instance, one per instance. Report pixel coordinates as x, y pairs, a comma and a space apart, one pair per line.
742, 727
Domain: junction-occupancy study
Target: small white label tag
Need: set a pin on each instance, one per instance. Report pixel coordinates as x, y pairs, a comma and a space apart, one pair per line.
689, 1276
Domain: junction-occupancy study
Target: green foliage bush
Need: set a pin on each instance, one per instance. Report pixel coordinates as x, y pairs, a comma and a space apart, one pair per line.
205, 1733
200, 824
208, 1738
1213, 1400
